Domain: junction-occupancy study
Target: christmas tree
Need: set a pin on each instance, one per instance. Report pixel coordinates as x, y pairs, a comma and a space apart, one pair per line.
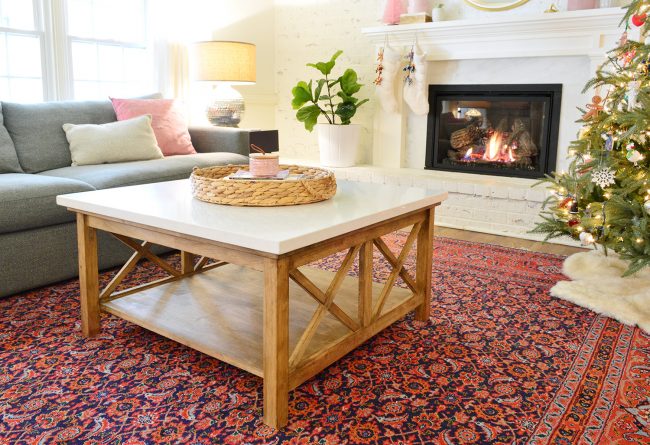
604, 197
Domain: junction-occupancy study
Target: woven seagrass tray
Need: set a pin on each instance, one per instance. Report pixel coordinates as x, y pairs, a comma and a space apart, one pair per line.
210, 185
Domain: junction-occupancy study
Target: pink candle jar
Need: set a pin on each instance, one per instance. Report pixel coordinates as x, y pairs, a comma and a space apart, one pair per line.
264, 164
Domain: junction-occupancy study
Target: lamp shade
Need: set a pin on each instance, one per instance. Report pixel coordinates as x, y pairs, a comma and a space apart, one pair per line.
219, 61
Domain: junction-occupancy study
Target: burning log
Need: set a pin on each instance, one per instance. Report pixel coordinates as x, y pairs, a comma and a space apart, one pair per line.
465, 137
521, 137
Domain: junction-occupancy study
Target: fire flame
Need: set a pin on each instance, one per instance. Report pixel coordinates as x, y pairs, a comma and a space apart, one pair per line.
493, 147
468, 154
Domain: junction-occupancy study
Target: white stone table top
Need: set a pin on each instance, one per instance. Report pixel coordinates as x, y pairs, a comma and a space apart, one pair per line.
276, 230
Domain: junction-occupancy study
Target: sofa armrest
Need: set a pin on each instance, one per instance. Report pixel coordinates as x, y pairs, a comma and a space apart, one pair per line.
216, 139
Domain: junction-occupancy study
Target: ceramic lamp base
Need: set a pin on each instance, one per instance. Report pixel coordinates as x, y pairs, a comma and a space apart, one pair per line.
227, 107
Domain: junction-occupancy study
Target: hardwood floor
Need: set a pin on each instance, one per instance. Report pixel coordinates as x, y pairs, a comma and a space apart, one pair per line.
534, 246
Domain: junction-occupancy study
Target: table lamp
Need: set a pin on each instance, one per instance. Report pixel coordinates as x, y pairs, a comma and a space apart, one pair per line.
225, 64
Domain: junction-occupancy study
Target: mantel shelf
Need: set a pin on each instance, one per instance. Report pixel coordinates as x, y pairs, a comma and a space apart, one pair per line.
573, 33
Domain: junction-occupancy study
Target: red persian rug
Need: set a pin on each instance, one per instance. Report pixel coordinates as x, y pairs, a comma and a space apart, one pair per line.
499, 362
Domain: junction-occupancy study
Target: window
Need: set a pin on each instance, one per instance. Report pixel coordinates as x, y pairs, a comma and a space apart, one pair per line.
21, 73
74, 49
110, 51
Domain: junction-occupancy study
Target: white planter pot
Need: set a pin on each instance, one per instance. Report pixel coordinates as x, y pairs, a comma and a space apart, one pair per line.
338, 144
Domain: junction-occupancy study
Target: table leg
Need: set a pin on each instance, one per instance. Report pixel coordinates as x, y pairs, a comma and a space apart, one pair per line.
365, 284
424, 265
276, 342
187, 262
88, 277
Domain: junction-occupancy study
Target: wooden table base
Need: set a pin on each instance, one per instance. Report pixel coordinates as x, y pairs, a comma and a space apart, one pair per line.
266, 314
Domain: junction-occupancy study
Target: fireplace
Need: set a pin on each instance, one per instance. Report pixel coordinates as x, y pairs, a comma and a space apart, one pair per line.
505, 130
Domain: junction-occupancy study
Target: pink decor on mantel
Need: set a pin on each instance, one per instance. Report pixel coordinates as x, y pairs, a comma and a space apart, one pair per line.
574, 5
392, 11
418, 6
167, 121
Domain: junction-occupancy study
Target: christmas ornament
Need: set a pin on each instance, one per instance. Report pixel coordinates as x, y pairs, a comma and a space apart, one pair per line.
573, 222
623, 39
627, 57
594, 107
646, 206
552, 8
586, 238
632, 94
390, 65
639, 19
633, 155
416, 93
609, 141
574, 208
603, 177
409, 69
380, 67
566, 202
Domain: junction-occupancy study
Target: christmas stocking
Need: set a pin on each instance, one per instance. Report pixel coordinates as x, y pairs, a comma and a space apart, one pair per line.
387, 70
416, 88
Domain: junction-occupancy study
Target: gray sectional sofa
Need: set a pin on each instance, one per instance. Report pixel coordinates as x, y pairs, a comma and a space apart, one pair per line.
37, 237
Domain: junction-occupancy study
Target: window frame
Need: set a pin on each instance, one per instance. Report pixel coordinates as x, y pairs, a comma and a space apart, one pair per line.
57, 70
39, 32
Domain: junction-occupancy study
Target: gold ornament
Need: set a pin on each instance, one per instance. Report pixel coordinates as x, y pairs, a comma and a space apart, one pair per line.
552, 8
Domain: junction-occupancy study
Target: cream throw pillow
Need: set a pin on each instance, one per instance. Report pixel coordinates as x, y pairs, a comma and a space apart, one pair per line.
121, 141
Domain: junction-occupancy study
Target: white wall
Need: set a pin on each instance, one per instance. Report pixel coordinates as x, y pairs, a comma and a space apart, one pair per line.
250, 21
311, 30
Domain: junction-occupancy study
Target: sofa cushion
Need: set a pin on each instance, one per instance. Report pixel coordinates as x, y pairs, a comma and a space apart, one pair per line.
121, 141
167, 121
29, 201
8, 158
143, 172
37, 130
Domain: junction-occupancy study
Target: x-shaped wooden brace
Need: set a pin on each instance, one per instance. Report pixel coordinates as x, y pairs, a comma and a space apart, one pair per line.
398, 268
326, 304
141, 251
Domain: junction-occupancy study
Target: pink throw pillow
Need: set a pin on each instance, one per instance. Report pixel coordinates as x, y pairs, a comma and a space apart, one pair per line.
167, 122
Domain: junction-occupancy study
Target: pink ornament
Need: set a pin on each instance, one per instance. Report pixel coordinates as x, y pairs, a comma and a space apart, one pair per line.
418, 6
394, 8
574, 5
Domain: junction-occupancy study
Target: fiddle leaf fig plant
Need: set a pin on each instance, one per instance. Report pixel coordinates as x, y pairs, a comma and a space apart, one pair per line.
329, 97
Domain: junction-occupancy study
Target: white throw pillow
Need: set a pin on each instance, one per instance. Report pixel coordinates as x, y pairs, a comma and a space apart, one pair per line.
120, 141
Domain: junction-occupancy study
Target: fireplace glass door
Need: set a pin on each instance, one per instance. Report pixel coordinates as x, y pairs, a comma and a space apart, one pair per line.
493, 129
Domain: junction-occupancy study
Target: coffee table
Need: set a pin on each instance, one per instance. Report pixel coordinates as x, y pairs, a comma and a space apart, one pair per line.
242, 293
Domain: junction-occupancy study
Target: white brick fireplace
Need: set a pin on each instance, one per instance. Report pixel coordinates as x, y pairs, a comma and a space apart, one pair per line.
563, 48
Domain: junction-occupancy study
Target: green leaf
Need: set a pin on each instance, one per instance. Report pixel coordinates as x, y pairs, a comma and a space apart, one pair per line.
301, 95
362, 102
319, 88
326, 67
347, 98
345, 110
309, 116
349, 83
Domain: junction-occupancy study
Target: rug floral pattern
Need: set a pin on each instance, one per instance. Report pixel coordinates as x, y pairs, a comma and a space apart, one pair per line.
499, 362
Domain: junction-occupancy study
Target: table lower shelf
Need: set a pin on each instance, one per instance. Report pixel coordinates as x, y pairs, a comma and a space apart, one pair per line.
219, 312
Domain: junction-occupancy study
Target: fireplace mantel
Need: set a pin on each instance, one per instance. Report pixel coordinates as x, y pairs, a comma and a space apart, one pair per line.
587, 34
572, 33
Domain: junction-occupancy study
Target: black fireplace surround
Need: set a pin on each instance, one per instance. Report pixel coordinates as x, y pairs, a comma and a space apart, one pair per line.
505, 130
